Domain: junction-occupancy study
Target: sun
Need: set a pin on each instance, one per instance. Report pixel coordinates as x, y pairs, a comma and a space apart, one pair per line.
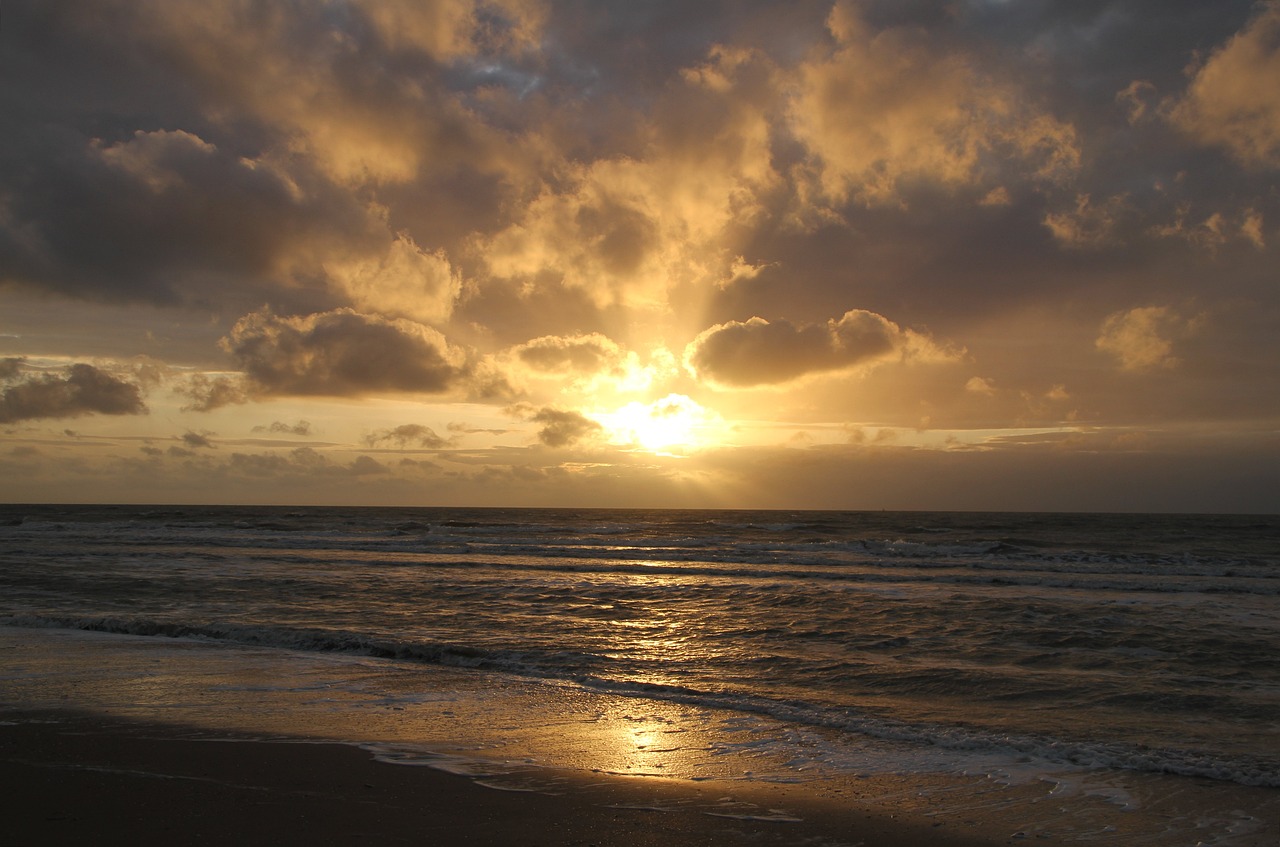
674, 422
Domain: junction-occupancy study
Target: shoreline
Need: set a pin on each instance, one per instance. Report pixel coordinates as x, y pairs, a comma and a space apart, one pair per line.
92, 724
74, 776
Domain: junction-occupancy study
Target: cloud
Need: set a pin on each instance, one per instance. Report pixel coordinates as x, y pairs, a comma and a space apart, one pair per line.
341, 353
280, 427
196, 439
1215, 230
246, 160
1143, 338
1208, 234
562, 427
161, 215
998, 196
1138, 98
1089, 225
746, 354
590, 364
627, 229
208, 393
404, 281
303, 462
162, 160
741, 271
885, 107
497, 201
980, 385
304, 77
10, 367
406, 434
1251, 229
367, 466
576, 354
470, 429
81, 390
1233, 101
453, 29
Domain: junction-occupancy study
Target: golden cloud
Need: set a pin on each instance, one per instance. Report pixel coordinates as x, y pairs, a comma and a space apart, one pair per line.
590, 364
404, 280
296, 71
980, 385
1143, 338
1215, 230
452, 29
577, 354
626, 230
886, 107
159, 159
1088, 225
1233, 100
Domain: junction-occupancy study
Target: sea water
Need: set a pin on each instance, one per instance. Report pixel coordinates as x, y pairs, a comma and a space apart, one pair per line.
1077, 662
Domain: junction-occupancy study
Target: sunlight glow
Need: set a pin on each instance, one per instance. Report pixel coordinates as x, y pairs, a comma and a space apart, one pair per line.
674, 422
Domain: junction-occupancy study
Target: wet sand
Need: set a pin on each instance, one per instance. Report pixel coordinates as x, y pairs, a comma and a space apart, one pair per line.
72, 778
146, 741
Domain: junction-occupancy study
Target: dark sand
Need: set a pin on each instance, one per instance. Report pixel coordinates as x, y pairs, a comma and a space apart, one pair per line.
77, 778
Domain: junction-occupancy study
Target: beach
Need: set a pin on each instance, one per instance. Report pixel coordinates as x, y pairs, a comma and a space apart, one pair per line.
158, 741
71, 778
520, 676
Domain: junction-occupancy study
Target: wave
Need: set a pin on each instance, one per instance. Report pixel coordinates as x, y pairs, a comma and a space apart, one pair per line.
868, 560
306, 640
589, 672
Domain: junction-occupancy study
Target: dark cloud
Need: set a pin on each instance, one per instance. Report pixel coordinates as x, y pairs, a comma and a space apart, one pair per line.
366, 465
81, 390
302, 463
196, 439
158, 216
282, 428
136, 169
259, 464
406, 434
10, 367
209, 393
342, 353
744, 354
562, 427
466, 428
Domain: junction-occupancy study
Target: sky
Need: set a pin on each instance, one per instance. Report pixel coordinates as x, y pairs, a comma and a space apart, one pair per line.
864, 254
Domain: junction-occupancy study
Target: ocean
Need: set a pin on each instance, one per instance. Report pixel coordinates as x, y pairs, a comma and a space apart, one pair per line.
1077, 673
